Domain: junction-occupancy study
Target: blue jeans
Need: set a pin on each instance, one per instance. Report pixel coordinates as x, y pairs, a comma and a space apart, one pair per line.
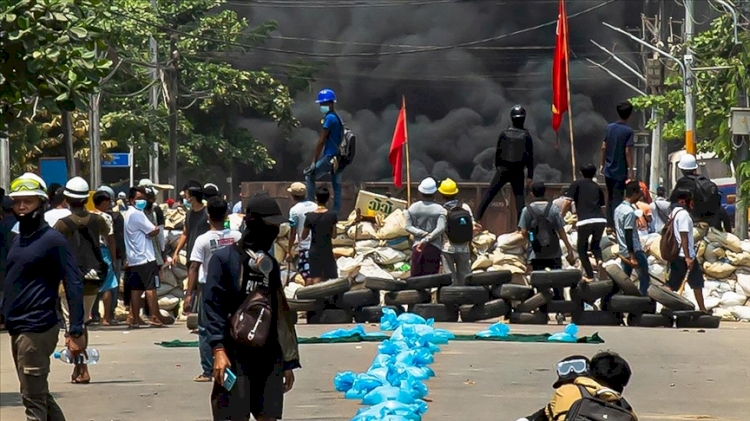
322, 168
643, 276
204, 348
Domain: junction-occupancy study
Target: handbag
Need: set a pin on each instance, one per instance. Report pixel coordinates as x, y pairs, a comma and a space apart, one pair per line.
251, 322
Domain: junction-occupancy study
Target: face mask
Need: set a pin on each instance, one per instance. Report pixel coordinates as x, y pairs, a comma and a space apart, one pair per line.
259, 236
140, 204
30, 222
187, 204
324, 109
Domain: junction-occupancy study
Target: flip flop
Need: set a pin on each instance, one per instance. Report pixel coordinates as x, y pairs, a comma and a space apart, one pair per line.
202, 379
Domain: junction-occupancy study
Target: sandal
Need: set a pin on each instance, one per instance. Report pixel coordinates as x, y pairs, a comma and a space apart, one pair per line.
202, 379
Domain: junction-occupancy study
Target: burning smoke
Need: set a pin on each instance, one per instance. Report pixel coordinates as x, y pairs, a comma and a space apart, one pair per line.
457, 99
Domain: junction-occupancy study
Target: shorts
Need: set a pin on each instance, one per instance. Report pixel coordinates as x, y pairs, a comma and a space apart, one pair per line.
142, 277
677, 271
303, 263
257, 392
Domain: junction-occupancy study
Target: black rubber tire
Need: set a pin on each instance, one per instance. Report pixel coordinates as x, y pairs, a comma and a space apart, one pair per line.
383, 284
329, 316
325, 289
460, 295
632, 305
439, 312
622, 280
596, 318
558, 278
407, 297
564, 307
429, 281
192, 321
488, 310
680, 313
359, 298
701, 322
372, 314
650, 320
669, 299
294, 317
518, 318
513, 292
497, 277
592, 291
306, 305
537, 300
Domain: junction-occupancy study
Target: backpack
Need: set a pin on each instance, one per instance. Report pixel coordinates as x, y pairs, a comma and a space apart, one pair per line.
87, 250
544, 239
459, 227
591, 408
251, 323
669, 248
347, 147
705, 195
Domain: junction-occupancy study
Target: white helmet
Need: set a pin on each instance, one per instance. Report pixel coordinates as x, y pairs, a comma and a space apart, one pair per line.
77, 188
29, 184
687, 162
109, 191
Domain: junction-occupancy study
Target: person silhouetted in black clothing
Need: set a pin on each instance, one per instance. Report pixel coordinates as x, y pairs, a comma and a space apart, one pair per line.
515, 151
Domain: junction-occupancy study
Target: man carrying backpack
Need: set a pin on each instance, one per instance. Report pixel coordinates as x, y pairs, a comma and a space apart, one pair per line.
84, 231
678, 236
459, 231
705, 193
328, 150
543, 225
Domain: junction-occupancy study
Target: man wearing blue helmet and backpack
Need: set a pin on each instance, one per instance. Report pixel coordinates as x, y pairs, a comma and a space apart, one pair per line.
334, 151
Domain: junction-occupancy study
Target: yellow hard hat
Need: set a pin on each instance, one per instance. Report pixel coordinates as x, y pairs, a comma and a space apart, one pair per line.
448, 187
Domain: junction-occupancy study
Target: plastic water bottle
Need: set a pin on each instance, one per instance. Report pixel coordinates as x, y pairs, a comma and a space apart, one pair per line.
64, 356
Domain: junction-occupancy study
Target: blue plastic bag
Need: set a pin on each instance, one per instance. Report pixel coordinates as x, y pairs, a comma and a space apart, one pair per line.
387, 393
381, 360
388, 321
415, 387
344, 381
392, 347
496, 330
416, 357
420, 373
569, 335
344, 333
413, 319
378, 412
442, 336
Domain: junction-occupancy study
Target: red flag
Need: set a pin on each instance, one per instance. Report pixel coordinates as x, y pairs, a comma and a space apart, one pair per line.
560, 94
396, 155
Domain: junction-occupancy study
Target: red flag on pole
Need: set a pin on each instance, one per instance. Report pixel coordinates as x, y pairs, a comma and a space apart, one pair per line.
396, 155
560, 93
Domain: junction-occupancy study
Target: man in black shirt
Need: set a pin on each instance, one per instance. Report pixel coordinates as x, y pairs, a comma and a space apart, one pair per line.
589, 200
515, 151
196, 222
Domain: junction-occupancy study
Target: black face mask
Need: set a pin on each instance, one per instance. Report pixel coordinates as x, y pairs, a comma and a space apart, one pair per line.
258, 235
30, 222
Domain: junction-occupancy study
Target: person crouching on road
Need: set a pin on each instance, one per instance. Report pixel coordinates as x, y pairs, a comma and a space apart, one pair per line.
459, 231
320, 227
38, 259
264, 373
425, 220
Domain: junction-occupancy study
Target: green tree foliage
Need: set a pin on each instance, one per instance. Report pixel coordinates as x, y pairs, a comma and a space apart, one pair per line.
716, 92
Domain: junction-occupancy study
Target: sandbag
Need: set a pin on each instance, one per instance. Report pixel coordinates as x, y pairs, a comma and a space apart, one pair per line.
654, 248
728, 241
743, 281
483, 242
483, 261
718, 270
343, 252
168, 277
610, 252
348, 267
387, 256
369, 269
393, 226
511, 241
366, 244
741, 313
362, 231
731, 299
174, 219
738, 259
515, 270
400, 243
284, 230
342, 240
501, 259
168, 302
746, 246
711, 252
725, 314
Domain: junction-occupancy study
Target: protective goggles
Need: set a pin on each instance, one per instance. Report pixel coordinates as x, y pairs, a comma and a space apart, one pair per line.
24, 184
564, 368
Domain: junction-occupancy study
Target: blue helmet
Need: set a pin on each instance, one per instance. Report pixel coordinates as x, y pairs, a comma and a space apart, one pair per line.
326, 95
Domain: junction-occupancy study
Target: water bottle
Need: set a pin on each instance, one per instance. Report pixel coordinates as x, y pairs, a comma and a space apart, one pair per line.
64, 356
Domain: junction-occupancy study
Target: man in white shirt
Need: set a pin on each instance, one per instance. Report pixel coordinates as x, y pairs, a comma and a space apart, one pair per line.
216, 238
297, 215
141, 268
686, 264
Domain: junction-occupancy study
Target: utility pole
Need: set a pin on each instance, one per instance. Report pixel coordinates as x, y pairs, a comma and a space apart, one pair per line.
174, 83
70, 156
95, 162
153, 168
689, 79
4, 153
659, 170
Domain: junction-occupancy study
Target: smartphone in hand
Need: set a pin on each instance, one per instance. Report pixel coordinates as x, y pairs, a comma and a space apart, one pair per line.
229, 379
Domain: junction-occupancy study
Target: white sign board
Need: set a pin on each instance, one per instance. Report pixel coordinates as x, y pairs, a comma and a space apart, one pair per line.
740, 121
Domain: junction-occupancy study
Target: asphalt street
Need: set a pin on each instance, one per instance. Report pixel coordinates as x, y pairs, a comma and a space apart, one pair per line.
678, 375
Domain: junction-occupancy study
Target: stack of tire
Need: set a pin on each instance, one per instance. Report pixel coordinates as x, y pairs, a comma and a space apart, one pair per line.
324, 303
532, 304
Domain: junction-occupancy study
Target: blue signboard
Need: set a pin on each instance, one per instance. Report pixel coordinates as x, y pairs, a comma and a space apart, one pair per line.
119, 160
53, 170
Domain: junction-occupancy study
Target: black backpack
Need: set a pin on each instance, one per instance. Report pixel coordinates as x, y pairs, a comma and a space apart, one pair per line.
86, 249
459, 226
705, 195
545, 243
347, 147
591, 408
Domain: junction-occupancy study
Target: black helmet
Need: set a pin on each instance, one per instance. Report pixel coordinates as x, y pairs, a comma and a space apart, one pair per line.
517, 112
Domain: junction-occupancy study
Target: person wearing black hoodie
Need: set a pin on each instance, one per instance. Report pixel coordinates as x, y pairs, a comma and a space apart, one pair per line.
264, 373
589, 200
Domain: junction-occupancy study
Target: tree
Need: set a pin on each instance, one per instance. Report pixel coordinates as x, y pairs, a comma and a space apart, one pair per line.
716, 93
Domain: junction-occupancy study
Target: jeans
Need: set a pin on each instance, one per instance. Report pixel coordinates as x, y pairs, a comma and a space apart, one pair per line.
503, 175
31, 356
458, 265
322, 168
207, 356
643, 275
615, 196
595, 232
